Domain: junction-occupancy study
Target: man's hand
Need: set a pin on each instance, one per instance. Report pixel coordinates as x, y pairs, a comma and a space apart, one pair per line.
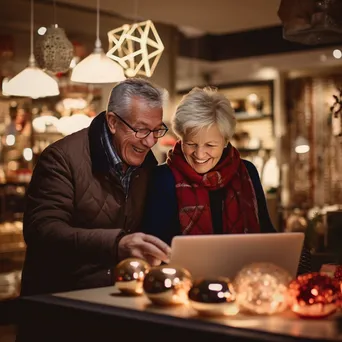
144, 246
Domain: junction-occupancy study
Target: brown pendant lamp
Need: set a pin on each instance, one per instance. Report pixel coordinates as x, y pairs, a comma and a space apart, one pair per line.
311, 22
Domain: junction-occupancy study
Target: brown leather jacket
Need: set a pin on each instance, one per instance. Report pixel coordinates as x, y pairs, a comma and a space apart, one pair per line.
75, 210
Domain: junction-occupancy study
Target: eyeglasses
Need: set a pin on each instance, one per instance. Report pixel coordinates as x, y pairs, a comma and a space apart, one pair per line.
143, 133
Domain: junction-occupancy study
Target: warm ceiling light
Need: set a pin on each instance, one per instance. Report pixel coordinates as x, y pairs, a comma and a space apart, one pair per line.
97, 67
4, 85
71, 124
301, 145
10, 140
28, 154
42, 30
337, 53
32, 81
41, 124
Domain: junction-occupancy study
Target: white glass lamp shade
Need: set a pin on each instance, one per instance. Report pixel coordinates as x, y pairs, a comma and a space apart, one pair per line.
301, 145
71, 124
42, 124
4, 85
32, 82
97, 68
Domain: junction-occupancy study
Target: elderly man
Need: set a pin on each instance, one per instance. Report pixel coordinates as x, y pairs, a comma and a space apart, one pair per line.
86, 197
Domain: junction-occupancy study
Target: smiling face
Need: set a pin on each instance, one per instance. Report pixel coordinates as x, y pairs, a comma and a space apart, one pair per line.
132, 150
203, 149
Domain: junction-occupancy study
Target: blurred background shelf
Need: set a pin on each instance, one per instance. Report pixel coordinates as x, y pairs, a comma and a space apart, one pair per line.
250, 117
12, 247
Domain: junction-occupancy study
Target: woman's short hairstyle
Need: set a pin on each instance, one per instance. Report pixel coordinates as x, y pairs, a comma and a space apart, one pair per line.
202, 108
120, 99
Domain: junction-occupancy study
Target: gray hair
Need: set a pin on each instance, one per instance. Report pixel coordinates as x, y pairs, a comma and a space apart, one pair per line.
202, 108
123, 93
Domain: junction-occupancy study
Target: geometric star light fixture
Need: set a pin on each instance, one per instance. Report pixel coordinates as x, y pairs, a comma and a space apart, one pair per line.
137, 48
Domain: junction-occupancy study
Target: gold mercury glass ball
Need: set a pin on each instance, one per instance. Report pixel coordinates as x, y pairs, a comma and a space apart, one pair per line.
130, 274
213, 297
167, 285
261, 288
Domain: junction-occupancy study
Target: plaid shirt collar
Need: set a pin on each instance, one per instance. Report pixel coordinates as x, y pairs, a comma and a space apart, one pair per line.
115, 161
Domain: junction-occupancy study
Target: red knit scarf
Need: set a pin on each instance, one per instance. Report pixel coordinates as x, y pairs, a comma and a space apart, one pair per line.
240, 213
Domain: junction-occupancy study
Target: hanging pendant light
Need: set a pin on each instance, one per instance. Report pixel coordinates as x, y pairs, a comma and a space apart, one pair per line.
4, 85
32, 81
301, 145
311, 22
136, 47
53, 50
97, 67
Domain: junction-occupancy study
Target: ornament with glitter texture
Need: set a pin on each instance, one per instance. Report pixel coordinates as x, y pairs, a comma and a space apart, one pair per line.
262, 288
338, 273
314, 295
338, 277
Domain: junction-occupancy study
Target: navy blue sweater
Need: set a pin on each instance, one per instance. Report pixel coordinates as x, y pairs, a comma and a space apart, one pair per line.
161, 211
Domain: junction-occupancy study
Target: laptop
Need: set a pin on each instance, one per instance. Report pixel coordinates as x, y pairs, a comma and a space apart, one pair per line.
225, 255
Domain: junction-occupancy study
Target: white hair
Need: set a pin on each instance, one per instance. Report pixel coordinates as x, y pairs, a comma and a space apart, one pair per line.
202, 108
122, 95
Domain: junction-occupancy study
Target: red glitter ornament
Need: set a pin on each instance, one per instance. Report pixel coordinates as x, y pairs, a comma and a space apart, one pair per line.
338, 277
338, 273
314, 295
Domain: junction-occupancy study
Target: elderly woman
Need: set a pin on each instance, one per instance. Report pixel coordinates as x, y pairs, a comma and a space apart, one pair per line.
205, 187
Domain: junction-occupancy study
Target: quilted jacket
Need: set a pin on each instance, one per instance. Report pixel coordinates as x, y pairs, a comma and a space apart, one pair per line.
75, 209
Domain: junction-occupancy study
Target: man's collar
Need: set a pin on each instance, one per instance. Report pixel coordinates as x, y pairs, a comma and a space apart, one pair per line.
112, 153
98, 156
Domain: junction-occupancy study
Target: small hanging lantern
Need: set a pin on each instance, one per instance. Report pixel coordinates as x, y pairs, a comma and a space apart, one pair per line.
54, 51
311, 22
